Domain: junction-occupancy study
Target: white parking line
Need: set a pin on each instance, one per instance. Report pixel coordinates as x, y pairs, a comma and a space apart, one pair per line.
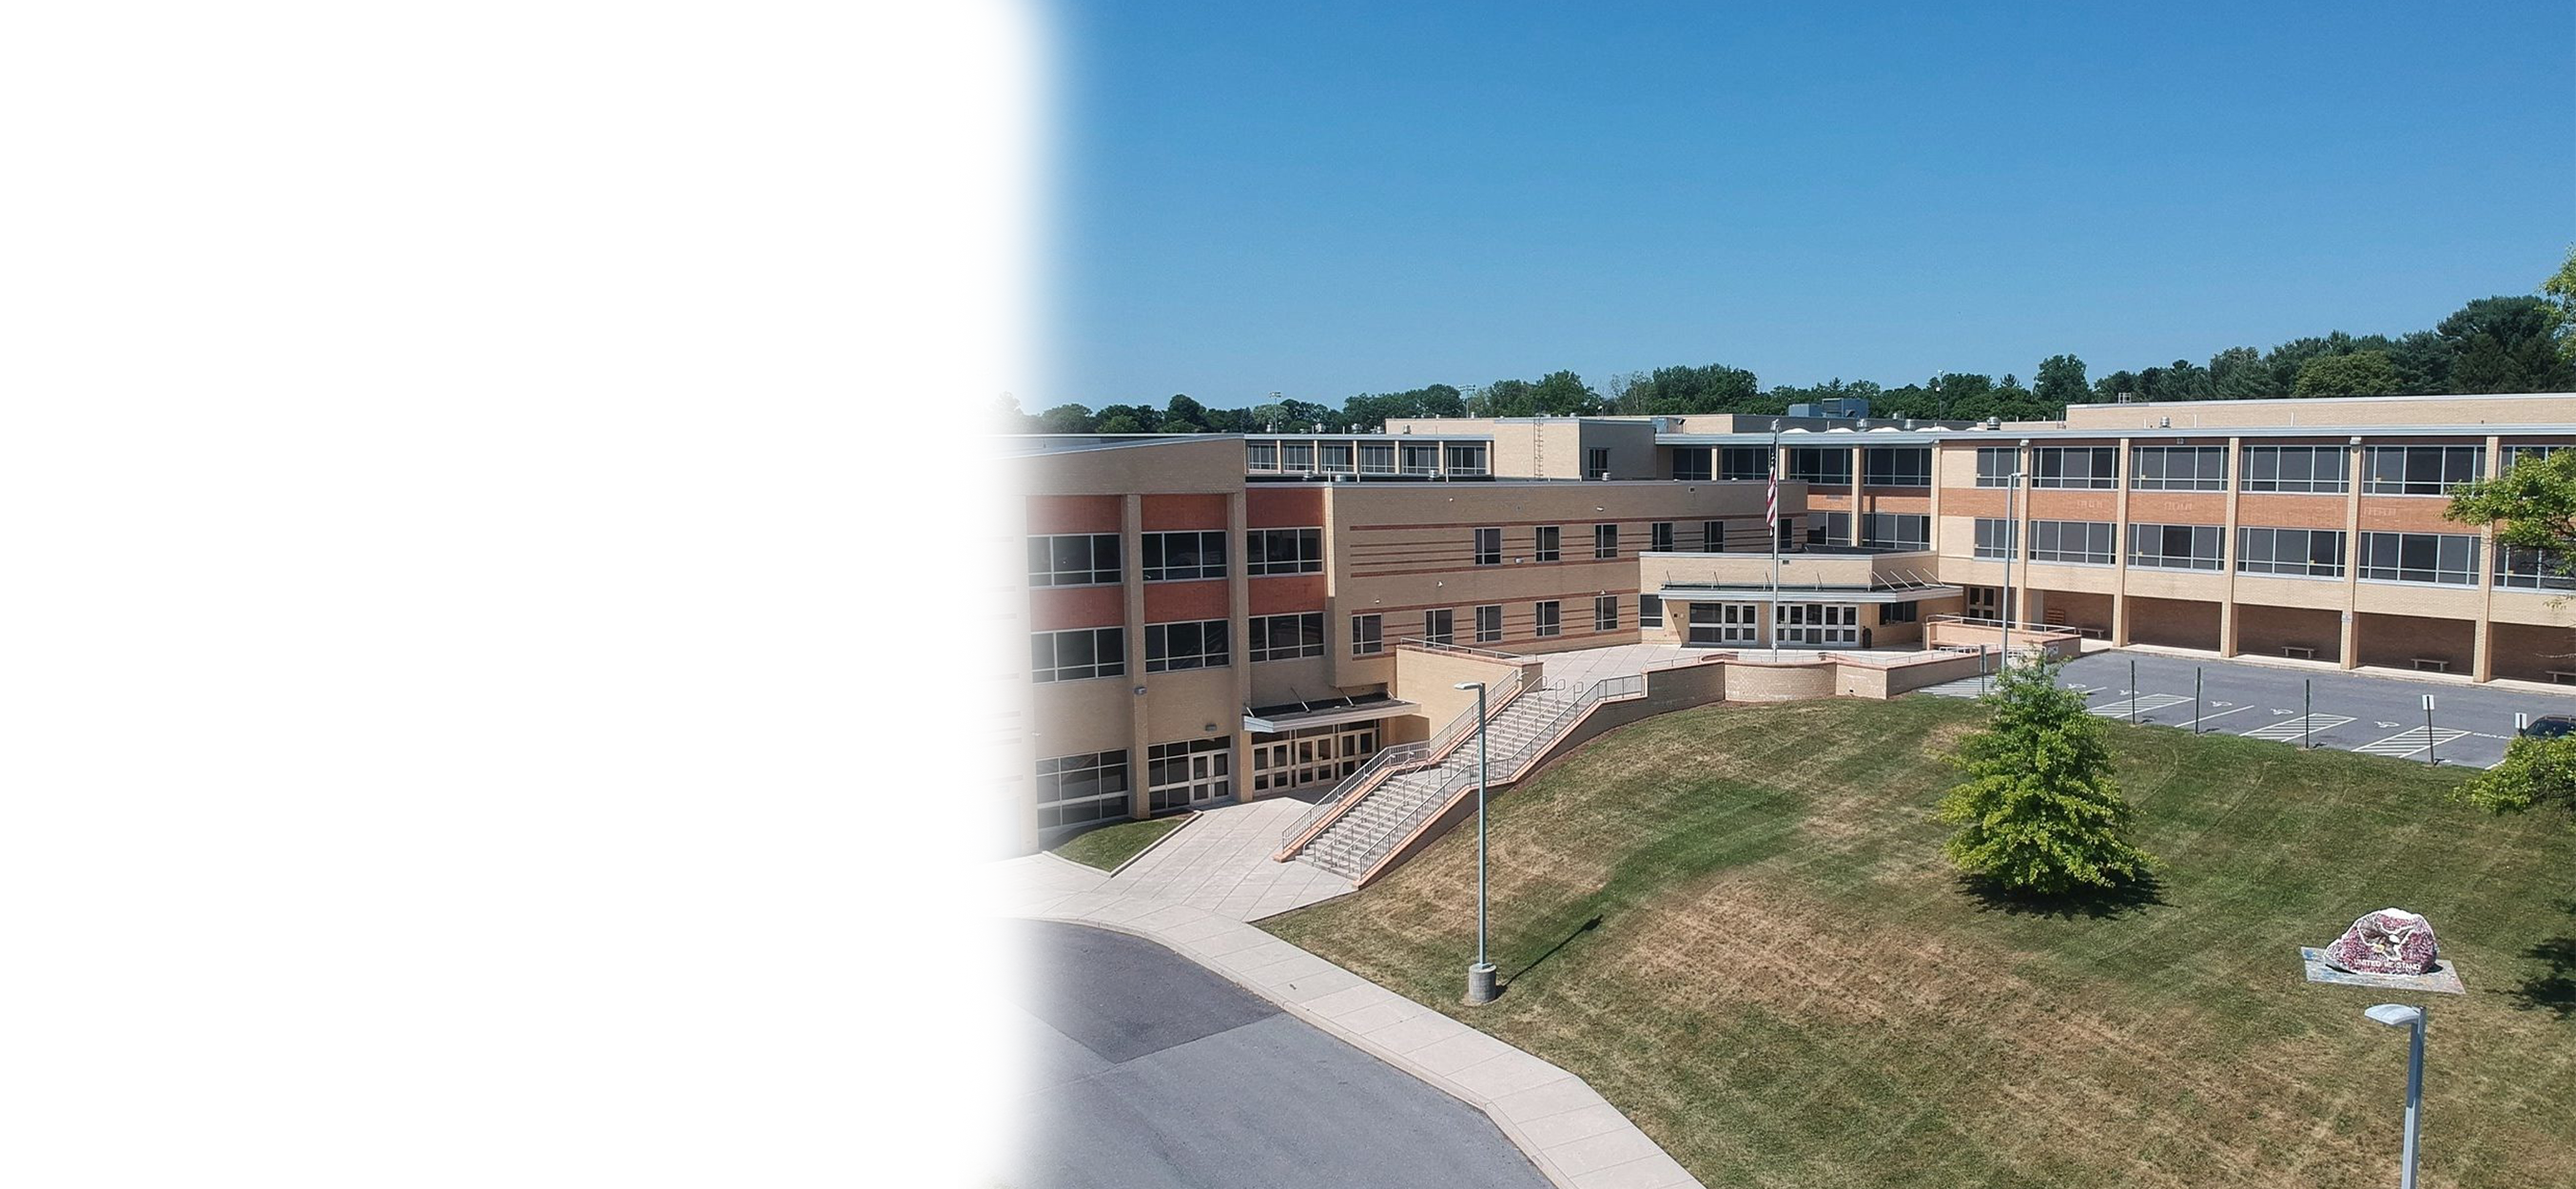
2221, 714
2140, 705
2291, 728
2408, 742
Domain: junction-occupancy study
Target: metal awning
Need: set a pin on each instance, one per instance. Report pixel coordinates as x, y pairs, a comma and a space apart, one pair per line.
1276, 720
1803, 594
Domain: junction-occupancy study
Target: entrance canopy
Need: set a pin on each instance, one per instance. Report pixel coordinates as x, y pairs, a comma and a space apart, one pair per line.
1297, 716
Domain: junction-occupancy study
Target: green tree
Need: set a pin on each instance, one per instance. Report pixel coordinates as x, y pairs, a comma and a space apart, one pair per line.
1066, 419
2561, 290
2060, 381
2362, 373
2237, 373
2040, 811
1184, 415
1715, 388
2506, 344
2533, 503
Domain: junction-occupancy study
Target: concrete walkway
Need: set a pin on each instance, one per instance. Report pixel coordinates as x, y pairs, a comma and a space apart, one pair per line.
1219, 862
1576, 1140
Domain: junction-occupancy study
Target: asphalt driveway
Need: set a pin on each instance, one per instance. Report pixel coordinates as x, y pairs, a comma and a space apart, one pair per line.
1150, 1071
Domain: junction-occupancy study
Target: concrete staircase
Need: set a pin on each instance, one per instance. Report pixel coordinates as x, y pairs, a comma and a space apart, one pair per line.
1364, 834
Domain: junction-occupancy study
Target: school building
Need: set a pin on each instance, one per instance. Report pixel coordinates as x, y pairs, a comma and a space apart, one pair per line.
1218, 617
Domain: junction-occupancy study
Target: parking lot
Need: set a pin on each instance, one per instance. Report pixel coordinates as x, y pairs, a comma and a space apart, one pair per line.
2354, 712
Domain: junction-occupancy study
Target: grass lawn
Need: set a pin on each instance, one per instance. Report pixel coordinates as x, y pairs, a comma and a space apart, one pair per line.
1735, 923
1108, 846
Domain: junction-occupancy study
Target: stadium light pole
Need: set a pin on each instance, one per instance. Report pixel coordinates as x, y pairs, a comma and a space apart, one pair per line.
2399, 1015
1480, 977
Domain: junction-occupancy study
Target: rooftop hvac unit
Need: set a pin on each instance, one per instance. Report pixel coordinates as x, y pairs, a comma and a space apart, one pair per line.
1994, 423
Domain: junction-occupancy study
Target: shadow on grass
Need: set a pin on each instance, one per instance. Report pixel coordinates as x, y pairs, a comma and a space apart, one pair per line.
2128, 899
1579, 930
2552, 990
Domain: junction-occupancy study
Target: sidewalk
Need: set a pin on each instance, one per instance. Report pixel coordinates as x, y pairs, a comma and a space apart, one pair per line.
1573, 1137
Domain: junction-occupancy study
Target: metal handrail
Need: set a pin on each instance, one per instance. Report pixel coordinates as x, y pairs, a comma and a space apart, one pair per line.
1632, 684
1428, 645
1389, 760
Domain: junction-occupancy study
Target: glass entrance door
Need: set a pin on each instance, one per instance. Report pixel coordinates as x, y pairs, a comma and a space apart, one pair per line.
1818, 623
1180, 775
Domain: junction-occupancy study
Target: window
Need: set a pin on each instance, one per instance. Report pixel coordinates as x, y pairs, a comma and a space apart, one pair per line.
2515, 454
1077, 559
1489, 547
1367, 635
1995, 537
1895, 530
1816, 623
1550, 621
2072, 542
2076, 466
2305, 469
1897, 466
1821, 464
1605, 613
1694, 462
2447, 558
1900, 612
1283, 551
1296, 456
1421, 460
1660, 535
1650, 611
1465, 458
1596, 462
2533, 569
1437, 625
2420, 470
1489, 623
1179, 775
2300, 552
1260, 455
1546, 544
2176, 546
1199, 644
1081, 788
1605, 540
1173, 557
1995, 465
1712, 536
1077, 654
1377, 458
2178, 468
1337, 456
1744, 462
1828, 528
1287, 637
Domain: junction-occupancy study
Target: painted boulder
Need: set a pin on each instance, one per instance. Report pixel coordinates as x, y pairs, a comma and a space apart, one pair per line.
2389, 941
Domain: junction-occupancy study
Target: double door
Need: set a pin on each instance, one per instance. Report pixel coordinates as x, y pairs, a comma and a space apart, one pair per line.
1725, 623
1818, 623
1319, 756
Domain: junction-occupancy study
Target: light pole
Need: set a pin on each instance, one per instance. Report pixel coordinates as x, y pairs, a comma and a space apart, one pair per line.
2399, 1015
1480, 977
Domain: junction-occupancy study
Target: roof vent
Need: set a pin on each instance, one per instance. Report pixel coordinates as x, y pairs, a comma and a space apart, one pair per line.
2164, 423
1994, 423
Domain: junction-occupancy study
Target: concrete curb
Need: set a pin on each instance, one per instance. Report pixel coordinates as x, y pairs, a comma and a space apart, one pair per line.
1575, 1138
1168, 835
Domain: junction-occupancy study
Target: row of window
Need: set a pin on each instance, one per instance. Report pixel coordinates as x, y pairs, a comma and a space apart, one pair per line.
1366, 458
1547, 541
1077, 654
1093, 559
2444, 558
1878, 530
2386, 470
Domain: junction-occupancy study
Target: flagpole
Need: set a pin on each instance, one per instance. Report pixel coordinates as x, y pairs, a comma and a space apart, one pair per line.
1774, 519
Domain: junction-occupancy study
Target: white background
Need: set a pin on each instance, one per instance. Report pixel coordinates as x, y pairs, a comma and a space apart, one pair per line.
474, 710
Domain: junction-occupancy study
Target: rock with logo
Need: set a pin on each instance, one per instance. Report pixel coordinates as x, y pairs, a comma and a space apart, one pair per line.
2389, 941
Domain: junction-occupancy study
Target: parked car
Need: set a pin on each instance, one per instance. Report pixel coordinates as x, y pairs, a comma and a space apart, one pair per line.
2550, 726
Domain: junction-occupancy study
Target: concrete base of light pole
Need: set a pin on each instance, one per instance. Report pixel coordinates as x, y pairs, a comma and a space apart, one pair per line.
1480, 983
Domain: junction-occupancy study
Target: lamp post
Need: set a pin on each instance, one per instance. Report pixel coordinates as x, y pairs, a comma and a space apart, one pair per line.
1480, 977
2399, 1015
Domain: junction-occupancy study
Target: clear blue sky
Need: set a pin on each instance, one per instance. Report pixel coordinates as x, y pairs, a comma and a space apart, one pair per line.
1328, 198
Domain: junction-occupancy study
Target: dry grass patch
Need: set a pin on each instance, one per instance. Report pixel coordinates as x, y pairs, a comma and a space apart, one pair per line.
1735, 924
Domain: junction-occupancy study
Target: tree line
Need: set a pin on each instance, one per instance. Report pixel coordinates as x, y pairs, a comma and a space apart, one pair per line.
2493, 344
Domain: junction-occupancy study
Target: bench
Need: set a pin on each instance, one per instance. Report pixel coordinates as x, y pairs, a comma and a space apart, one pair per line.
2562, 677
2432, 664
2301, 651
